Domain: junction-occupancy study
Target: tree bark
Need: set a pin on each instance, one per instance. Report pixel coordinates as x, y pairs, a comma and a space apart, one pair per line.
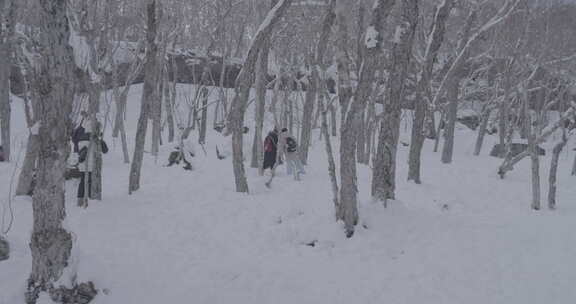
308, 110
261, 83
5, 108
203, 116
384, 172
482, 131
452, 114
147, 96
7, 28
333, 120
28, 166
552, 179
50, 243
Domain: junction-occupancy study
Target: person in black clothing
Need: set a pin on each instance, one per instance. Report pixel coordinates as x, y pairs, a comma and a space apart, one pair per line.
270, 150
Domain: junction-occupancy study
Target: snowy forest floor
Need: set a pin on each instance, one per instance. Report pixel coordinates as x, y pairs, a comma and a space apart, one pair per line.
463, 236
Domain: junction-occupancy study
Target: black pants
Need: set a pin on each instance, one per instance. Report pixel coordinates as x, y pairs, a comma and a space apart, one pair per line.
81, 186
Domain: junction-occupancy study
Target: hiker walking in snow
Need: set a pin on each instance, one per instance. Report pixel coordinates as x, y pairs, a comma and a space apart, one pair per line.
290, 149
270, 150
85, 143
184, 151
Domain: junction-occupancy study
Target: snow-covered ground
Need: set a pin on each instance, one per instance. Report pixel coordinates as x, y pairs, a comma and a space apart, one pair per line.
464, 236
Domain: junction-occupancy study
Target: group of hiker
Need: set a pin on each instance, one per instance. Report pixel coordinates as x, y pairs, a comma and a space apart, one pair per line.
278, 146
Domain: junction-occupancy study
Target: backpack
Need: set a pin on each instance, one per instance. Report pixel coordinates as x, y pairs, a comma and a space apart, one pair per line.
79, 135
268, 145
291, 145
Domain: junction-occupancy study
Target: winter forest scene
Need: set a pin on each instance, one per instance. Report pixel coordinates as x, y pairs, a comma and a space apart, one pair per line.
287, 151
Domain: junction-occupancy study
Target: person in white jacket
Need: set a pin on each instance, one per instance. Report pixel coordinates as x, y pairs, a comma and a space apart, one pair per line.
86, 162
290, 149
86, 144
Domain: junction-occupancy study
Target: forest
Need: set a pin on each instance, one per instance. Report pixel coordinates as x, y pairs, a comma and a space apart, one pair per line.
282, 151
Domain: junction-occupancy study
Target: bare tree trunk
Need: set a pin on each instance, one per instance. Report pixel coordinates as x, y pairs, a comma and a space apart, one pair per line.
96, 184
333, 121
482, 131
360, 41
28, 166
275, 97
532, 148
291, 115
503, 114
156, 117
353, 109
421, 104
308, 110
574, 167
261, 82
147, 96
348, 204
50, 243
243, 84
204, 116
169, 109
5, 100
361, 144
331, 163
370, 130
384, 172
552, 179
7, 15
438, 131
284, 108
449, 128
327, 24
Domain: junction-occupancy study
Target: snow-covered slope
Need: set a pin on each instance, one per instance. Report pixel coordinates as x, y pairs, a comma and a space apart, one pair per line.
464, 236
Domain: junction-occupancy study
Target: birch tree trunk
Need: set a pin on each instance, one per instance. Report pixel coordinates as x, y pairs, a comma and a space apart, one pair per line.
261, 82
349, 130
532, 148
452, 114
244, 82
421, 105
308, 111
482, 131
320, 68
5, 98
147, 96
156, 113
169, 107
333, 120
7, 28
574, 166
552, 179
32, 110
203, 116
384, 172
96, 184
50, 243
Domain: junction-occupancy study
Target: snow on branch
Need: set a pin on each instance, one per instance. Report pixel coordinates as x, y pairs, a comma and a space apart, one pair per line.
503, 14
